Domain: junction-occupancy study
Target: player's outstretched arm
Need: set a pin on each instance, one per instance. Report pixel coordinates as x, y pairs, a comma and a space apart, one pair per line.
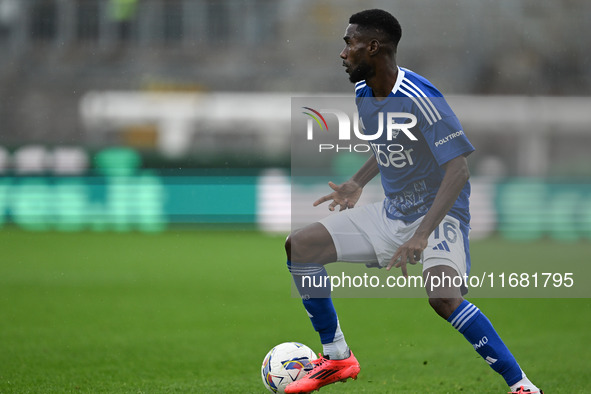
456, 176
347, 194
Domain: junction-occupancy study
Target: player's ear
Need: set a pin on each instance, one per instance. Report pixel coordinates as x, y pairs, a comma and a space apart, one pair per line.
373, 47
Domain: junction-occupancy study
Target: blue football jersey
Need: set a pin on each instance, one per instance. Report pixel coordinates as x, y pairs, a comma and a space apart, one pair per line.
410, 158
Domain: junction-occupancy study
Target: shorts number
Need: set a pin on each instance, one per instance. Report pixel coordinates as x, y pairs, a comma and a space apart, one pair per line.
449, 232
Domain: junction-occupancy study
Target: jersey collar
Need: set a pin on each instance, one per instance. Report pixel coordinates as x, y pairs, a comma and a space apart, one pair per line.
399, 79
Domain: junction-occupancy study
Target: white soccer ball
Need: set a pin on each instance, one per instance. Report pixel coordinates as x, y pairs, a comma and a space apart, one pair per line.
286, 363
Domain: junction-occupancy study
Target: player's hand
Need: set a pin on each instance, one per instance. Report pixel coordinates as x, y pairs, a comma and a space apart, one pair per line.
344, 195
408, 252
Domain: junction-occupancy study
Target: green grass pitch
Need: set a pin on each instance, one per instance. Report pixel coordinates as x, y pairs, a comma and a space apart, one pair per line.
196, 311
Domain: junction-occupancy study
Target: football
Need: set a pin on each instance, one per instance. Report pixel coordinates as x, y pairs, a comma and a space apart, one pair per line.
286, 363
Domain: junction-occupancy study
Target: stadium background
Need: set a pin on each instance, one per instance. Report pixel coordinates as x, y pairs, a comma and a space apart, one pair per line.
145, 142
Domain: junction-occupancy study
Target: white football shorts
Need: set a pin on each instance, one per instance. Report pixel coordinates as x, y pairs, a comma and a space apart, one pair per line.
365, 234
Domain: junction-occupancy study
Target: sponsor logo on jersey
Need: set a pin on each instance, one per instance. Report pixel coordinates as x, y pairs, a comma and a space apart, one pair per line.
395, 158
448, 138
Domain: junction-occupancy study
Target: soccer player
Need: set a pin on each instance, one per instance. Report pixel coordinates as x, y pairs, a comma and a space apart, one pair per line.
423, 218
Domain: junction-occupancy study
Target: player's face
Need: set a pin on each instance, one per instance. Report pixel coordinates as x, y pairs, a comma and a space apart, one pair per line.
354, 55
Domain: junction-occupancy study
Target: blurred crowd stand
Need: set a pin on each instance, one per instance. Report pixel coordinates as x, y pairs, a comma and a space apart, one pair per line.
58, 53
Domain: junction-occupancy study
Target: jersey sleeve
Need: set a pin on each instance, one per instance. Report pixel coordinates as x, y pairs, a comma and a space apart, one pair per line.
441, 129
447, 140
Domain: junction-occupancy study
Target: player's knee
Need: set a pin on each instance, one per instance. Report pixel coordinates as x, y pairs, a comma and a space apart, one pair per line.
294, 245
444, 306
295, 241
311, 244
300, 247
288, 246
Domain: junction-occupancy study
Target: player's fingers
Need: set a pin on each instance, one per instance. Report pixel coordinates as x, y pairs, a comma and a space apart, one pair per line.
344, 205
404, 271
322, 199
333, 186
390, 264
392, 261
402, 265
402, 257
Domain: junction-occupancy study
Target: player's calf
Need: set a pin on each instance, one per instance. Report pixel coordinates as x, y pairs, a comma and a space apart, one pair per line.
444, 307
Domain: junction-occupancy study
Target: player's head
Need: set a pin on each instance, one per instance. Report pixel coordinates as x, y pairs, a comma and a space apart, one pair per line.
370, 36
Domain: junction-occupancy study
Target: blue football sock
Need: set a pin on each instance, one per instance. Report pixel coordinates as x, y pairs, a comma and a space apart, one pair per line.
477, 329
313, 285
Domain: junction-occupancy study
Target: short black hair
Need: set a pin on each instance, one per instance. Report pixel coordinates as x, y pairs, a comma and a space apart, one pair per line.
379, 20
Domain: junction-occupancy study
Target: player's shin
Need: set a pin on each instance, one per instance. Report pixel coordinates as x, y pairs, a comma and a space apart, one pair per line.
478, 330
313, 286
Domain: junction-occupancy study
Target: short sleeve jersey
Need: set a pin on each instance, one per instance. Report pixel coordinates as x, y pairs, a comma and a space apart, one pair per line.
410, 165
